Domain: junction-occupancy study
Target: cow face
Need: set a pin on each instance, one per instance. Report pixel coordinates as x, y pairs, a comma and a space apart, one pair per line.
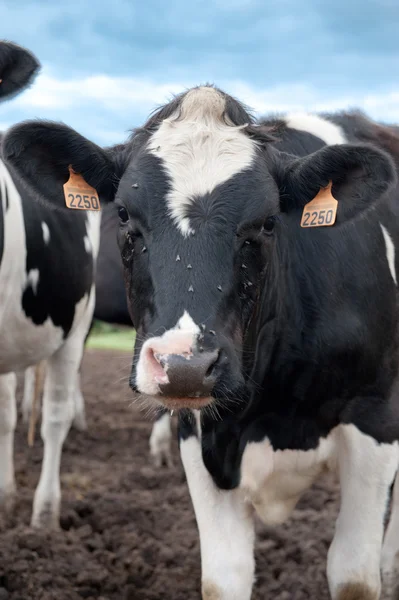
18, 67
203, 198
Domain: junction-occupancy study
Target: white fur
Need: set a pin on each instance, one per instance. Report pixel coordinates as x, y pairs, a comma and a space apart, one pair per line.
24, 343
46, 232
199, 151
187, 324
390, 549
79, 421
275, 480
32, 280
8, 421
161, 440
390, 252
366, 470
29, 391
87, 244
226, 528
321, 128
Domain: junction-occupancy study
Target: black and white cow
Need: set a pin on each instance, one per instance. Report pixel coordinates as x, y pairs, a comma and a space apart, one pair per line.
47, 268
277, 343
110, 307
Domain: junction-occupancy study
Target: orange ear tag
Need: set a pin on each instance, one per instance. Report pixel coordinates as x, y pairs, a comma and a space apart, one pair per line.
322, 210
79, 195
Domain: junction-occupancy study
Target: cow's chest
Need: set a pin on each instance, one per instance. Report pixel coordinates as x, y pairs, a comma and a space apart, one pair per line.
273, 481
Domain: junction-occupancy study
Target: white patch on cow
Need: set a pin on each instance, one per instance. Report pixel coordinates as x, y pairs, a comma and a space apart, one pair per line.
390, 549
390, 252
8, 421
178, 340
32, 279
93, 226
367, 470
275, 480
327, 131
46, 232
226, 528
87, 244
29, 390
161, 441
187, 323
199, 151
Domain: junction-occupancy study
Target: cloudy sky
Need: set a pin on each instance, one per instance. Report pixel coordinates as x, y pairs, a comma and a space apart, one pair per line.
106, 65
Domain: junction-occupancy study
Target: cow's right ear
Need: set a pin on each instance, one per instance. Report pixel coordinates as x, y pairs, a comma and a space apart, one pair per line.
40, 152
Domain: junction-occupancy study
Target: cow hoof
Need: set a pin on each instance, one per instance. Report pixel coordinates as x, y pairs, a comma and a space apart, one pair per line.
211, 591
162, 458
357, 591
390, 583
80, 423
48, 517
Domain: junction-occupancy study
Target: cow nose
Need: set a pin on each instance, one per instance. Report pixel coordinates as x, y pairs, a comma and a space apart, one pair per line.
189, 376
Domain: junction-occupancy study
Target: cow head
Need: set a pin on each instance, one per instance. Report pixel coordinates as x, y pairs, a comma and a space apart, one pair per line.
18, 67
203, 198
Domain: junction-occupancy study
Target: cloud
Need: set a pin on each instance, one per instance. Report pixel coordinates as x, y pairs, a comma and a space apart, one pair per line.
105, 108
331, 44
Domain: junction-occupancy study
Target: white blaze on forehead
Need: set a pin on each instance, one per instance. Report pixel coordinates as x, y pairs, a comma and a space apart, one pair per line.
327, 131
46, 232
199, 150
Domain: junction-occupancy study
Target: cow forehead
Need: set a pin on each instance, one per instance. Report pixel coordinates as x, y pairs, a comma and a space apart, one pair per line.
200, 150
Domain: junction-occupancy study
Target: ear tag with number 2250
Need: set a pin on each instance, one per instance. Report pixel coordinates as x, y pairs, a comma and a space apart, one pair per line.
322, 210
79, 195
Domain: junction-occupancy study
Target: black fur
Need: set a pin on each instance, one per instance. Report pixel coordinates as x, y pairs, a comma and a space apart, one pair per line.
18, 68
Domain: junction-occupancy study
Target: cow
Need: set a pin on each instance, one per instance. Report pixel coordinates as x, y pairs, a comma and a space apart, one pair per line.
110, 307
47, 270
269, 323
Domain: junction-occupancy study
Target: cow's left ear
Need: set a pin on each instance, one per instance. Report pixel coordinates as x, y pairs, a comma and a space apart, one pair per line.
18, 67
360, 176
41, 153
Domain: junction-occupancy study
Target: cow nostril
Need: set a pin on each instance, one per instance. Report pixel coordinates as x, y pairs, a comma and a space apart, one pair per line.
213, 365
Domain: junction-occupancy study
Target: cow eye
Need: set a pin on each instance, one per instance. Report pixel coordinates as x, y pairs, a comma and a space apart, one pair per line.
123, 214
268, 225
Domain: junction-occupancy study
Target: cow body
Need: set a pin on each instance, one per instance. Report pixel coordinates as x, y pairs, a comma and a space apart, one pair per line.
278, 343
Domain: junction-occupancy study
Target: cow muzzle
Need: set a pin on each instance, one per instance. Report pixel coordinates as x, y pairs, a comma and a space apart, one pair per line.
177, 372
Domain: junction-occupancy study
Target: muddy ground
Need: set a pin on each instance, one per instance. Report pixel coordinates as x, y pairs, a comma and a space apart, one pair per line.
128, 529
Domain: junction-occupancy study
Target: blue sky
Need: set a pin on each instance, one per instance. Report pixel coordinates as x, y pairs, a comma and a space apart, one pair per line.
106, 65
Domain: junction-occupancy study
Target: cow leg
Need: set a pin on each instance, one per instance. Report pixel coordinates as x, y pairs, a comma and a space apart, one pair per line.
367, 470
29, 391
161, 440
390, 548
226, 528
58, 413
8, 421
79, 420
